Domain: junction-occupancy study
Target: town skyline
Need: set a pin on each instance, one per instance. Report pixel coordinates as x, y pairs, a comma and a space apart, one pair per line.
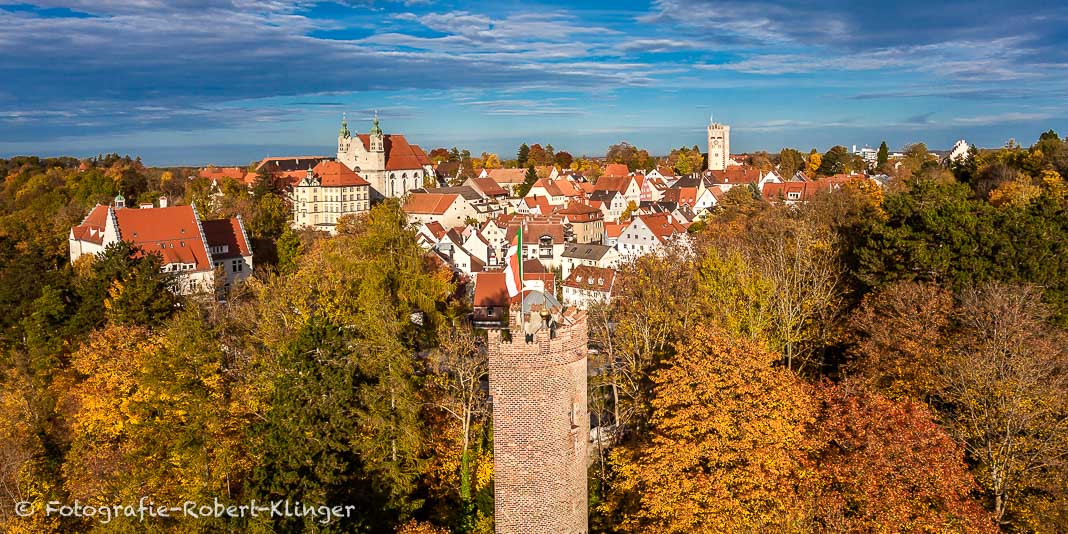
163, 82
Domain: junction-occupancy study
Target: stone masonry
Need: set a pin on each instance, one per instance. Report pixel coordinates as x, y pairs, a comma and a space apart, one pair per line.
540, 427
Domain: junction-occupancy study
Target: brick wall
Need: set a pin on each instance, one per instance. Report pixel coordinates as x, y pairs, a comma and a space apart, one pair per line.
540, 430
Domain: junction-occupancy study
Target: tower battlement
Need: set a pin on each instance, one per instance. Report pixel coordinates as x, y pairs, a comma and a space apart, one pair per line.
540, 422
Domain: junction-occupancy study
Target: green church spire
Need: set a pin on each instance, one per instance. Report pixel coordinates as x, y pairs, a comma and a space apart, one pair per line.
375, 129
344, 131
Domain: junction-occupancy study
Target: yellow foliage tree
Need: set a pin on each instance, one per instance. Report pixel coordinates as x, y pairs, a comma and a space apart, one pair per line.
727, 446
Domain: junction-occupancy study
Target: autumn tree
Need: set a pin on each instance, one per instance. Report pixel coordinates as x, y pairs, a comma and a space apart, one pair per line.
1005, 383
813, 164
563, 159
899, 336
726, 447
882, 157
882, 463
459, 365
790, 161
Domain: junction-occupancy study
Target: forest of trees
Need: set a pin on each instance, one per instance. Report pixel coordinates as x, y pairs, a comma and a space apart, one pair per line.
879, 359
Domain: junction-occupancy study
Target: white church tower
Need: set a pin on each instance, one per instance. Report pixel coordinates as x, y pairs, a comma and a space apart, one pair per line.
719, 145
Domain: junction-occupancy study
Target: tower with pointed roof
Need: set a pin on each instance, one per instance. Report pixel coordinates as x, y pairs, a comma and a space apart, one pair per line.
541, 425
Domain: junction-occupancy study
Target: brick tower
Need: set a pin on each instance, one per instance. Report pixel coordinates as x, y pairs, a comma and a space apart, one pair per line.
540, 421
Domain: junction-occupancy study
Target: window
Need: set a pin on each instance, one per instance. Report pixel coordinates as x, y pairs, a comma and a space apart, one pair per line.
793, 195
237, 266
545, 246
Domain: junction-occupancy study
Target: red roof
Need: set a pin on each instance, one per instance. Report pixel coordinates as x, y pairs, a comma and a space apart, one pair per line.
662, 225
577, 212
337, 174
227, 232
737, 175
682, 195
613, 183
614, 229
491, 291
214, 173
615, 169
429, 203
173, 232
400, 154
592, 278
533, 232
92, 227
489, 187
507, 176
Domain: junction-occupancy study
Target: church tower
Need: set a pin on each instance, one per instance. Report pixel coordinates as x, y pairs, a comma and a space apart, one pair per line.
719, 145
376, 145
541, 424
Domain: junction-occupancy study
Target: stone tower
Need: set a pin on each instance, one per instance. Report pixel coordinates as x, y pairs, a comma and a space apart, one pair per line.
541, 425
719, 145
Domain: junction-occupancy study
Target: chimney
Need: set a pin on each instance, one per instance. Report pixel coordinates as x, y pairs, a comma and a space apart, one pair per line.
163, 202
145, 205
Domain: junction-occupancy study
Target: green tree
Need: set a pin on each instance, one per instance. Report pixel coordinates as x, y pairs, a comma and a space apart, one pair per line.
790, 161
528, 182
882, 157
522, 155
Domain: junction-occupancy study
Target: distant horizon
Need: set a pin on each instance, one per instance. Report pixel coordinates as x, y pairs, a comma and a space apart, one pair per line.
157, 156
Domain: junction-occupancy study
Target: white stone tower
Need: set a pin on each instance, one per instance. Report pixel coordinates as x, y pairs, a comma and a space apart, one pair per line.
719, 145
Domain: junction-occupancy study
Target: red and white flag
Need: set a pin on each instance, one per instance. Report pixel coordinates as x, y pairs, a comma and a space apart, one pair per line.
513, 270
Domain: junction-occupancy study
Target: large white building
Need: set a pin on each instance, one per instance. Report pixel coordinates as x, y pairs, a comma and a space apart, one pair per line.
326, 193
391, 164
192, 249
719, 146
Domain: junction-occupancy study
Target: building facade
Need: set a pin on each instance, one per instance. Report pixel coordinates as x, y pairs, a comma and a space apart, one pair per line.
326, 193
719, 146
194, 250
541, 423
391, 164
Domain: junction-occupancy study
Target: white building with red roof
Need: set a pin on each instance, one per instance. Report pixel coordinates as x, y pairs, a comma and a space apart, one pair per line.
648, 234
326, 193
192, 249
449, 209
389, 162
588, 285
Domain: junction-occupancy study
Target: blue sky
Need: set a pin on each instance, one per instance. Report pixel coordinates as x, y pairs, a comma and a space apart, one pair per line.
230, 81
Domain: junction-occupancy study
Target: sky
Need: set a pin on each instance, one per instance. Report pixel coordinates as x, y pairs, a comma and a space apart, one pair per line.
193, 82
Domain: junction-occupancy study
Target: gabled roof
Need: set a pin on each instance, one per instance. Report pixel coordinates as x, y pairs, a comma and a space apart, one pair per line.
586, 251
465, 191
337, 174
400, 154
681, 195
615, 169
229, 232
591, 278
172, 232
736, 175
429, 203
488, 186
507, 176
614, 229
613, 183
604, 196
436, 229
92, 227
533, 232
662, 225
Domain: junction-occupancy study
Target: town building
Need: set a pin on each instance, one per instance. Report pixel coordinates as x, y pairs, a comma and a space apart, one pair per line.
588, 285
194, 250
391, 164
586, 222
719, 146
648, 234
449, 209
326, 193
588, 254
